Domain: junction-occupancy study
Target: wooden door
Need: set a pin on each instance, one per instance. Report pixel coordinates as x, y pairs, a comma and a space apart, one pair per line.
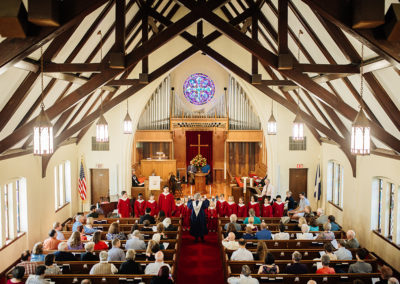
298, 182
99, 180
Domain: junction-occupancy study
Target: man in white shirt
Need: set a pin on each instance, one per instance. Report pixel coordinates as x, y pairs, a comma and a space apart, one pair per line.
299, 211
343, 253
154, 268
242, 254
282, 235
230, 243
268, 190
244, 277
135, 242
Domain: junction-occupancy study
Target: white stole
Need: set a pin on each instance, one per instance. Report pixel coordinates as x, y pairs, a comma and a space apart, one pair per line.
197, 207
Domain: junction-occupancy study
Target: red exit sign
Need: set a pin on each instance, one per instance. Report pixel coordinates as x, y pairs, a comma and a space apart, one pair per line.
299, 166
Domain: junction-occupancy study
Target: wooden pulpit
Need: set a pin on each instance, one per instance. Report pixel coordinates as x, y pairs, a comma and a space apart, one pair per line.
200, 182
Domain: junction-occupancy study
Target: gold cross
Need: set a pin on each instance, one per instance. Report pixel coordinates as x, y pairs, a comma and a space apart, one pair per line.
199, 145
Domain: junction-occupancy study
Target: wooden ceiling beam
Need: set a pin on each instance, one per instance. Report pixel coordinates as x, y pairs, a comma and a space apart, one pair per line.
13, 50
285, 58
50, 67
339, 13
328, 68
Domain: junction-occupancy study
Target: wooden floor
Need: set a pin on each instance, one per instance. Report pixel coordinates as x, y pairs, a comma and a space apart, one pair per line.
212, 190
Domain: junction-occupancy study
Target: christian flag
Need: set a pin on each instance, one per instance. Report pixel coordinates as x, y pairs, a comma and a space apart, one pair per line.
317, 188
82, 182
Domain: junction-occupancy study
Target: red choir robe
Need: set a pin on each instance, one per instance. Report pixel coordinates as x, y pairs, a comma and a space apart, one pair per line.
256, 207
166, 202
124, 208
140, 207
178, 210
278, 209
212, 218
221, 208
186, 217
152, 204
231, 208
242, 211
267, 210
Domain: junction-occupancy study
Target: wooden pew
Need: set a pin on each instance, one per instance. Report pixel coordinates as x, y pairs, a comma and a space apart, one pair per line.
292, 234
286, 254
140, 254
104, 227
289, 244
268, 220
147, 234
342, 278
100, 279
174, 220
236, 266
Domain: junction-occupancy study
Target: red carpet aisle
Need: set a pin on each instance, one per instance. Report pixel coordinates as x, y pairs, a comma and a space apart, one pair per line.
200, 262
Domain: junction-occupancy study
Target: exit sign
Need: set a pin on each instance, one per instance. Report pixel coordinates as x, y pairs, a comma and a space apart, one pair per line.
299, 166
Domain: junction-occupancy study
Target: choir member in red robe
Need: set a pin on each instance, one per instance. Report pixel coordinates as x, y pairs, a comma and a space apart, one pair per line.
231, 207
242, 209
186, 215
278, 207
266, 208
152, 204
178, 208
124, 206
140, 206
212, 217
166, 202
253, 204
221, 206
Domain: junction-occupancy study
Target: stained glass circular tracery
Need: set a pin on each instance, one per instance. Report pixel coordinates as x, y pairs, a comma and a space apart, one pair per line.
198, 89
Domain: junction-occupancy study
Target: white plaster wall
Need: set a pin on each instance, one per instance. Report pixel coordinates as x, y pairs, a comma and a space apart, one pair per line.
40, 197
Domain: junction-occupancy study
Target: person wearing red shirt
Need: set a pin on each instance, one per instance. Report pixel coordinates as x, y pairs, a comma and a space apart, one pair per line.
98, 243
178, 208
152, 204
221, 206
325, 266
253, 204
186, 215
278, 207
212, 217
124, 206
140, 206
231, 207
166, 202
242, 209
266, 210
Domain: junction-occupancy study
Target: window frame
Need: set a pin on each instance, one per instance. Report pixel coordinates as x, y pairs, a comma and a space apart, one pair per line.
62, 186
335, 184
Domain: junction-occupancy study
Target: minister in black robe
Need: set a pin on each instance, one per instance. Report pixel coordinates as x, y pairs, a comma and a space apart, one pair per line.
198, 220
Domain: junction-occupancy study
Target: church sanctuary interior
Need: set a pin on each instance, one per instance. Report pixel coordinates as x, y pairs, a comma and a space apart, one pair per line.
284, 115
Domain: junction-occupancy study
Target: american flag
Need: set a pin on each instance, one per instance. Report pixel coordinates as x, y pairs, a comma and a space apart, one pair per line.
82, 182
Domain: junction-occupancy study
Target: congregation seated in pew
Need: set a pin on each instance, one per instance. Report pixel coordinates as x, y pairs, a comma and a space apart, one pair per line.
88, 255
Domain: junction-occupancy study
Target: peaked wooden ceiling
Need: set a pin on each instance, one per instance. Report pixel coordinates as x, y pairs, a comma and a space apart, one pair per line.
141, 27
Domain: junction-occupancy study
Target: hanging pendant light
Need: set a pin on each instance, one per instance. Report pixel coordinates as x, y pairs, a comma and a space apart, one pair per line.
298, 123
127, 121
272, 125
42, 129
298, 127
101, 126
360, 129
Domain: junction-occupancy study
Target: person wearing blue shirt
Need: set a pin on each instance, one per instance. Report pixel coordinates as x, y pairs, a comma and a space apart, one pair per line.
264, 233
334, 226
78, 222
206, 170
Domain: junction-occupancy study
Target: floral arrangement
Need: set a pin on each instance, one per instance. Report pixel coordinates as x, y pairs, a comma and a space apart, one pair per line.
199, 161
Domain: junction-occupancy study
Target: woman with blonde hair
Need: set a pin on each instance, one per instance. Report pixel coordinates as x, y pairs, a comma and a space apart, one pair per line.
74, 242
160, 230
37, 252
114, 233
302, 221
152, 248
305, 233
261, 251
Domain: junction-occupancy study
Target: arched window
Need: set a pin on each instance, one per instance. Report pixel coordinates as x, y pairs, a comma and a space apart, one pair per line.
335, 177
62, 184
13, 210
